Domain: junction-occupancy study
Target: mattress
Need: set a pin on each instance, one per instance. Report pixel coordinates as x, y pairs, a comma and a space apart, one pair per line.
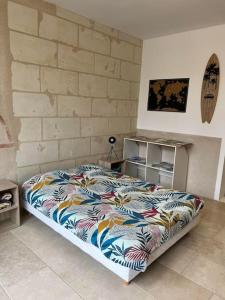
126, 218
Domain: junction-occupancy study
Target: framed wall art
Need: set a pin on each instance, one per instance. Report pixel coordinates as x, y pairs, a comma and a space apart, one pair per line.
169, 95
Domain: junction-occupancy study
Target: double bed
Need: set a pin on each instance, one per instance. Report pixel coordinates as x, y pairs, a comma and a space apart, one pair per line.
121, 221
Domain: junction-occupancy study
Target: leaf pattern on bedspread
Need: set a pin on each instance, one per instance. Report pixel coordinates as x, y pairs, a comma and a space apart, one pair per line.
125, 217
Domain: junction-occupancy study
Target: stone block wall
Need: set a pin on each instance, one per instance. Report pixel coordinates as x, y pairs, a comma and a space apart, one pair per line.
74, 83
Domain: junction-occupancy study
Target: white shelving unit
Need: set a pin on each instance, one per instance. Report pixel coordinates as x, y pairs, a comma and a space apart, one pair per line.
159, 161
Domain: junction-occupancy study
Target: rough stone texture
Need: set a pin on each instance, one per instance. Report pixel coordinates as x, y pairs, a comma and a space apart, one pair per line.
94, 126
7, 125
75, 59
54, 28
72, 106
7, 163
22, 75
118, 89
134, 90
40, 5
106, 29
133, 125
107, 66
73, 17
33, 50
119, 125
31, 129
127, 108
37, 153
130, 71
94, 41
100, 144
92, 86
74, 148
104, 107
61, 128
128, 38
58, 81
22, 18
24, 173
33, 105
57, 165
121, 49
137, 55
67, 88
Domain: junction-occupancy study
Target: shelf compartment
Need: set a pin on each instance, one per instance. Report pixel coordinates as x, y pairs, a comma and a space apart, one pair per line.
135, 170
8, 208
159, 177
9, 216
134, 149
130, 160
158, 154
160, 169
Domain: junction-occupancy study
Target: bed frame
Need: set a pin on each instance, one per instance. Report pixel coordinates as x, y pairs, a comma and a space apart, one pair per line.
123, 272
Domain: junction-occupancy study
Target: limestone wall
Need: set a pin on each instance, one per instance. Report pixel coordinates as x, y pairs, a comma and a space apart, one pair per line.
74, 82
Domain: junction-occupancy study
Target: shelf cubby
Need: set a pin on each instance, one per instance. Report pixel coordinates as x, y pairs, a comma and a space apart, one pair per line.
9, 216
162, 162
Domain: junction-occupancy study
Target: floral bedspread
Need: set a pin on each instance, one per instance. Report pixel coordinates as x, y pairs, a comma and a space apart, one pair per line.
125, 217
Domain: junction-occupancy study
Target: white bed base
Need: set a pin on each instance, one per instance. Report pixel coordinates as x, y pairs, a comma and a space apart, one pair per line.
123, 272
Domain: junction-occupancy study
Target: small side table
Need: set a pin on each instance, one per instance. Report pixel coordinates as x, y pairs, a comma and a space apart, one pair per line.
10, 216
115, 165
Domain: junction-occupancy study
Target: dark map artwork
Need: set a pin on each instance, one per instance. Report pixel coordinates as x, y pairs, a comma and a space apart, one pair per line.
168, 95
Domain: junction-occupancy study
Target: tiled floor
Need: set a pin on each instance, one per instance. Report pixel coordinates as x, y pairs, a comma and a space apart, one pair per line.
37, 264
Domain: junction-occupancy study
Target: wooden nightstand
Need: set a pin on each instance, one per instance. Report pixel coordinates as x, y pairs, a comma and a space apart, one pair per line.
10, 216
115, 165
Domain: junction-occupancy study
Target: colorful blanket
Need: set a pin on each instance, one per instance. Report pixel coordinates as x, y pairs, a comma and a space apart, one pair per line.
125, 217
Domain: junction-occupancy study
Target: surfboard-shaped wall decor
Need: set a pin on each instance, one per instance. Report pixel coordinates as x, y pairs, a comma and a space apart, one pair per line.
210, 88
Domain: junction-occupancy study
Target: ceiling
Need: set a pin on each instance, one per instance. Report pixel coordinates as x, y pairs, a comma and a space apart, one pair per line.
150, 18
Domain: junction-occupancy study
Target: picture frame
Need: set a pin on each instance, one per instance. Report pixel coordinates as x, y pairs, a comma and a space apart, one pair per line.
168, 95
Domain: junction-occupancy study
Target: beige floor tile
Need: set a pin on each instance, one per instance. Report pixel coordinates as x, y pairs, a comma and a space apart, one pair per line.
91, 280
215, 297
75, 267
42, 285
207, 274
100, 284
214, 207
166, 284
177, 258
212, 249
208, 228
57, 252
64, 257
3, 295
35, 234
16, 260
220, 236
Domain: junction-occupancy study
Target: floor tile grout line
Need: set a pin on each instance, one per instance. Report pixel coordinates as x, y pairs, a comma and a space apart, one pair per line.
140, 288
143, 290
67, 284
59, 276
46, 265
181, 271
197, 284
5, 291
10, 231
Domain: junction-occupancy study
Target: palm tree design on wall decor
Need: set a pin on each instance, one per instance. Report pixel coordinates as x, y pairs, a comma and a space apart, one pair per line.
210, 88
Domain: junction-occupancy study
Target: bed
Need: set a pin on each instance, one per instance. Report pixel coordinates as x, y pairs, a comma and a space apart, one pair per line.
121, 221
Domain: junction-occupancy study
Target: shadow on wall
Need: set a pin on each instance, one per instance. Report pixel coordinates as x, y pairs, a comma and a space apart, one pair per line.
5, 137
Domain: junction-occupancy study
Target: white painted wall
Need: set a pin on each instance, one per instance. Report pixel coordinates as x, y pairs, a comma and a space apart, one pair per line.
184, 55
